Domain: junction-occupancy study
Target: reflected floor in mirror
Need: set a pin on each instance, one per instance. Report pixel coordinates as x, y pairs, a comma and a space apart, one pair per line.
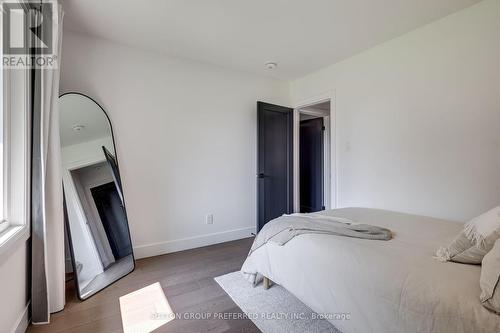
187, 282
113, 273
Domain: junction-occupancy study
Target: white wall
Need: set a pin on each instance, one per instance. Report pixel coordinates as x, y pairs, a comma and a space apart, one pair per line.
418, 118
186, 139
86, 153
13, 289
84, 247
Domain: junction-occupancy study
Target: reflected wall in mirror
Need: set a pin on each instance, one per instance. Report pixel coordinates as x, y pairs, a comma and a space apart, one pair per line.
96, 219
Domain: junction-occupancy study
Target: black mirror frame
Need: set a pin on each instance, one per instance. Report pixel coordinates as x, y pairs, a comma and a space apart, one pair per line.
66, 220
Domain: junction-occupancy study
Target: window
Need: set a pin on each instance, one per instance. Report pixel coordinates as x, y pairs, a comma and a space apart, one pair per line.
14, 155
3, 221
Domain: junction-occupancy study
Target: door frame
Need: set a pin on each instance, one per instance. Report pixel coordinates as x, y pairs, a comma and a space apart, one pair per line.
93, 219
330, 187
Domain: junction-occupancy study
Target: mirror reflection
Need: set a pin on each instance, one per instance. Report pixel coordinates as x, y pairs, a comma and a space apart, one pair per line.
96, 220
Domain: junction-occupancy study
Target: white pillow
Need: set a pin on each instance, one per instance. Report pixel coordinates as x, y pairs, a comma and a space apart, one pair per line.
480, 228
489, 280
461, 250
477, 239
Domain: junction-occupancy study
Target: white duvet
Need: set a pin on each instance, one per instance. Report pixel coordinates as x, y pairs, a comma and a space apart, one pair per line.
382, 286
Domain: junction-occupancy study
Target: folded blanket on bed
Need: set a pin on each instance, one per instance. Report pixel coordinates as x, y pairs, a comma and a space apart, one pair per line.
282, 229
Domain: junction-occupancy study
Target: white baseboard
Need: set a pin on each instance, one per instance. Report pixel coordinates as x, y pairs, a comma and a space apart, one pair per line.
22, 322
154, 249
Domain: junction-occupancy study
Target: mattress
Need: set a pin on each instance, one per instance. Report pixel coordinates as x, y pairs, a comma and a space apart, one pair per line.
381, 286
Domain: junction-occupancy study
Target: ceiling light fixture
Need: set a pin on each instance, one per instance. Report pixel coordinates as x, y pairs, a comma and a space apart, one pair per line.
78, 128
271, 65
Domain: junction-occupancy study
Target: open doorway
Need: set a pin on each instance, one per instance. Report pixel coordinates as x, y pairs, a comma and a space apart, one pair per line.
312, 158
85, 179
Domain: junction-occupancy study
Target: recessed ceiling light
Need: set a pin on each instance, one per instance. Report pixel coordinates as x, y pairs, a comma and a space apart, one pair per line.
271, 65
78, 128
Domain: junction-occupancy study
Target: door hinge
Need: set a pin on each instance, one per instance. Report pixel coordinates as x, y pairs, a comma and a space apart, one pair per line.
323, 207
323, 128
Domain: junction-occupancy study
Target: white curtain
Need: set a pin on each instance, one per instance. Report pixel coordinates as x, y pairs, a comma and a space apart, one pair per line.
48, 266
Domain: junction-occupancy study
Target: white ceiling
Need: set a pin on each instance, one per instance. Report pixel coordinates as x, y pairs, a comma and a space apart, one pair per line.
300, 35
76, 109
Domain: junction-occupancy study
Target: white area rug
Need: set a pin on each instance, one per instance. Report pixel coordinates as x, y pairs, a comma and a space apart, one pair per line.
274, 310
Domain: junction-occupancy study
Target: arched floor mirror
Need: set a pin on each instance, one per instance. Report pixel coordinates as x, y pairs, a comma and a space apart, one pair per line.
95, 214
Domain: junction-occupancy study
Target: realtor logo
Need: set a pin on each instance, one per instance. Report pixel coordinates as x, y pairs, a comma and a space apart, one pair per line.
29, 31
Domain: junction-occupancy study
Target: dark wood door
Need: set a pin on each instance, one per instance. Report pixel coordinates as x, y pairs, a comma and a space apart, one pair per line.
111, 160
311, 165
275, 163
113, 218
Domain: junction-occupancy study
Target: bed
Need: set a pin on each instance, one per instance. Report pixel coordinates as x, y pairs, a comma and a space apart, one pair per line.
380, 286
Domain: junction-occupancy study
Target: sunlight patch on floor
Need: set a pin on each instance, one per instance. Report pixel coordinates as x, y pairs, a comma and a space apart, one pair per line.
145, 310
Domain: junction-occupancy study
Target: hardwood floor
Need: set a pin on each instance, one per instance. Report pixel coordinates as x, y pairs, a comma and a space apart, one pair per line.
187, 281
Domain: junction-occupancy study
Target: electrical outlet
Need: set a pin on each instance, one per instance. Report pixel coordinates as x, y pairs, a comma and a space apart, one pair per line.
210, 219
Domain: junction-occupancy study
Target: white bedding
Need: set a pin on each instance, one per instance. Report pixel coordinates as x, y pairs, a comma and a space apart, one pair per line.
384, 286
